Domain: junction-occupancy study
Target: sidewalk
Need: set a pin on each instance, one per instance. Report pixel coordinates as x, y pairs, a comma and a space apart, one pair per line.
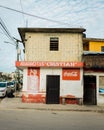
15, 103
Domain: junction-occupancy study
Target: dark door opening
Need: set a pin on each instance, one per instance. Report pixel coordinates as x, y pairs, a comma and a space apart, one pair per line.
90, 90
52, 89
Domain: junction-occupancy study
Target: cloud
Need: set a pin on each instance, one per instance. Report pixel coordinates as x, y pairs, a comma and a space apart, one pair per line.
77, 13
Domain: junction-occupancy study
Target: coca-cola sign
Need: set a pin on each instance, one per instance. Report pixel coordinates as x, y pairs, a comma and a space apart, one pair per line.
71, 74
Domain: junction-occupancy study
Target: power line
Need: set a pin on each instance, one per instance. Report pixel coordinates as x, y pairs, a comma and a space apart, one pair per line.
2, 32
15, 41
55, 21
5, 30
3, 27
10, 43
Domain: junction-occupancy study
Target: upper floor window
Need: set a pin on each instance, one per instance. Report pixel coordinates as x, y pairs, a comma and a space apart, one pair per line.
54, 44
102, 48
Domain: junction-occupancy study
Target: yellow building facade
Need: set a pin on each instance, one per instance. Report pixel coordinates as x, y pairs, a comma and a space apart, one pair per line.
93, 44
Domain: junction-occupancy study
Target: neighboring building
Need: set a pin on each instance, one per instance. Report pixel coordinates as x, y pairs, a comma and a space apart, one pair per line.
53, 67
93, 44
93, 59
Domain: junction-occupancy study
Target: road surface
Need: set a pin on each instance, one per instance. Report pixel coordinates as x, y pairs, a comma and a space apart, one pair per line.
20, 119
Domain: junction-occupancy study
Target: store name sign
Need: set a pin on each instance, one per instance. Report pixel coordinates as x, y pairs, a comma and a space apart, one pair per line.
48, 64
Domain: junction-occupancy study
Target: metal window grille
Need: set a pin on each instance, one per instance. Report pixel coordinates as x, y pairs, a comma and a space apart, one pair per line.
54, 44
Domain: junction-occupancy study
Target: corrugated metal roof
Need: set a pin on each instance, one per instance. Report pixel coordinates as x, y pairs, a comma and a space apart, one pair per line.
93, 39
92, 53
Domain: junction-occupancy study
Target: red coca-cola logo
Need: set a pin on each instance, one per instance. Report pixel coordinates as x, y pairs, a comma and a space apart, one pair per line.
71, 74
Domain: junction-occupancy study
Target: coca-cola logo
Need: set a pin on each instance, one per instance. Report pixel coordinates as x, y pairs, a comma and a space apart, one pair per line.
71, 74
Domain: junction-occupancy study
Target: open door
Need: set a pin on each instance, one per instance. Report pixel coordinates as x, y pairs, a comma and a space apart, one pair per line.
90, 90
53, 89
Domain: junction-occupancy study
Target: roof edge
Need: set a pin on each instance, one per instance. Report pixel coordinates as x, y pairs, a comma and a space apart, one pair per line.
93, 39
22, 31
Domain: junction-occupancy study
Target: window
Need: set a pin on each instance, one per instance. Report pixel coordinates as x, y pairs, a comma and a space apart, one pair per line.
102, 48
101, 84
54, 44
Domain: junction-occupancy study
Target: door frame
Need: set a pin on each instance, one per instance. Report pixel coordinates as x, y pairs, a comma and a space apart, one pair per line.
90, 90
52, 90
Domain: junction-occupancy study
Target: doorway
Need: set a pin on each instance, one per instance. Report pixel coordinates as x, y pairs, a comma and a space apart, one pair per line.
90, 90
52, 89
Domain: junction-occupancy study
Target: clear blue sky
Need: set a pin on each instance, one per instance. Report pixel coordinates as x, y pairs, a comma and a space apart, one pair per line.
88, 14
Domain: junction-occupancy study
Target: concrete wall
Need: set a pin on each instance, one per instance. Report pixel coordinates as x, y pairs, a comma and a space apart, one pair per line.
37, 47
24, 80
67, 87
95, 46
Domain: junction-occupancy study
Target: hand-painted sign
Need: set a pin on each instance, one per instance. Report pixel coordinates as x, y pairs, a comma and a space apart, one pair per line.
49, 64
33, 78
70, 74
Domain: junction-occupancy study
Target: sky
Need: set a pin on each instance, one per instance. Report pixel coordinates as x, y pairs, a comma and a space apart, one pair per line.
88, 14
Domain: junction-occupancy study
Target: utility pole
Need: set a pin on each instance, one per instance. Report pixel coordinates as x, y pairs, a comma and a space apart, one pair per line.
16, 43
17, 48
18, 72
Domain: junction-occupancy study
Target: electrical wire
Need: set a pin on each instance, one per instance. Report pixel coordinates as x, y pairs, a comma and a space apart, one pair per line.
36, 16
2, 33
4, 27
9, 43
6, 31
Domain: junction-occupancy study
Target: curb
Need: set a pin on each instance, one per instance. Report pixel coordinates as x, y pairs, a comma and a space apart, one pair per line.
51, 109
55, 109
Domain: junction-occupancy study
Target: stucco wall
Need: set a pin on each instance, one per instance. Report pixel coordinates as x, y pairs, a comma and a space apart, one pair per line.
37, 47
24, 80
95, 46
67, 87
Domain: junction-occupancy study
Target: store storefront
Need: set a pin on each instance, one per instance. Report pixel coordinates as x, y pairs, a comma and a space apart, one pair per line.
51, 82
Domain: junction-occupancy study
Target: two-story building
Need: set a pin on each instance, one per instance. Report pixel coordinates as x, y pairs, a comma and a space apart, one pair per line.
53, 67
93, 58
